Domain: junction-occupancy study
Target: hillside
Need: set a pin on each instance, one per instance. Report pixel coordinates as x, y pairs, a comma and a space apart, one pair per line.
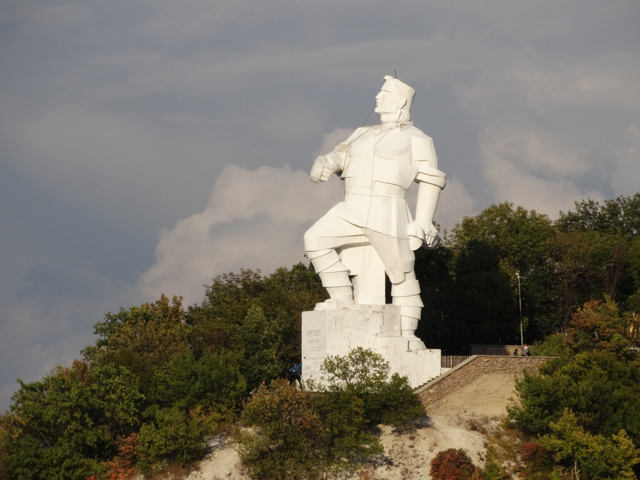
452, 424
407, 456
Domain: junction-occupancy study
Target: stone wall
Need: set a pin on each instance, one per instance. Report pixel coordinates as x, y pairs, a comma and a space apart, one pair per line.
471, 370
495, 349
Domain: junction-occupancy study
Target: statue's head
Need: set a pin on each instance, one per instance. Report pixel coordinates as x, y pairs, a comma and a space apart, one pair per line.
395, 99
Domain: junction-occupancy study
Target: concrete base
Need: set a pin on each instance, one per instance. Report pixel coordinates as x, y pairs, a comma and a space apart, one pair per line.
375, 327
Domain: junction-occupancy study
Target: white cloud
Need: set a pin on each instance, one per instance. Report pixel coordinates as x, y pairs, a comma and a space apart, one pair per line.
541, 154
547, 188
254, 219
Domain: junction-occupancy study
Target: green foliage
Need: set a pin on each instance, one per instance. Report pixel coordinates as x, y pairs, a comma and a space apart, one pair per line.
489, 249
597, 326
264, 345
361, 371
493, 471
583, 404
593, 456
173, 435
619, 216
257, 316
66, 425
172, 375
452, 464
437, 328
212, 382
142, 339
552, 346
153, 332
365, 374
348, 433
400, 405
299, 434
288, 440
602, 391
512, 453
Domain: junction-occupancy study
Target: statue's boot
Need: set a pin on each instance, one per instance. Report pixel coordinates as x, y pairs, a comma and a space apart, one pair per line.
406, 295
335, 279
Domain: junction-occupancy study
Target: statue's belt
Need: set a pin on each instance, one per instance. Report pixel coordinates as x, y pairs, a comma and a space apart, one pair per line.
380, 189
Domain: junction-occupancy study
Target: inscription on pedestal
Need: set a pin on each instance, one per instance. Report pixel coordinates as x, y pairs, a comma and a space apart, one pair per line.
376, 327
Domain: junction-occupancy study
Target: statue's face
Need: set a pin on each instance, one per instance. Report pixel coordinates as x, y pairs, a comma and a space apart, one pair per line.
388, 102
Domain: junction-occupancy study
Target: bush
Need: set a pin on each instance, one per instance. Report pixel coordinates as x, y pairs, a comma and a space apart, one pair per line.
288, 440
453, 464
343, 418
365, 374
173, 436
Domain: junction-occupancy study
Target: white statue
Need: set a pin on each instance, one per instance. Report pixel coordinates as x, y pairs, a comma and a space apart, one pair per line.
378, 164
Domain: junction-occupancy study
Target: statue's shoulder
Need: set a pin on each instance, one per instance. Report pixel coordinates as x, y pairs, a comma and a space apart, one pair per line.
415, 133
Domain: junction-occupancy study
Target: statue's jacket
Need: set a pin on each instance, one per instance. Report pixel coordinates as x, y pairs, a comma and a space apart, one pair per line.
378, 165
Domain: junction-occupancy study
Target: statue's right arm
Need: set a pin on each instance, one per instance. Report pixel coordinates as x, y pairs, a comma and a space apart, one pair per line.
326, 165
322, 169
334, 161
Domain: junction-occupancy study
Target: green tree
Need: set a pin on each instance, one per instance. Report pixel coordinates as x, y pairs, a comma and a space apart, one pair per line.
67, 424
260, 317
437, 327
365, 375
348, 435
486, 309
212, 383
142, 339
172, 435
619, 216
596, 376
489, 249
153, 332
264, 345
612, 231
590, 456
288, 441
598, 326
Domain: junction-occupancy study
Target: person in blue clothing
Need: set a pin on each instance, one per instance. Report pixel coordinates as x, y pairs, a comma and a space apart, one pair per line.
295, 373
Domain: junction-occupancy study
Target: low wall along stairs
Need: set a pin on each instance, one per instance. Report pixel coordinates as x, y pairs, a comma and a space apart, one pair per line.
480, 386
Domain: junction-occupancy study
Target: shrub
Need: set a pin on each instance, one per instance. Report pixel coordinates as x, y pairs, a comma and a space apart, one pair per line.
452, 464
173, 436
365, 374
288, 440
343, 418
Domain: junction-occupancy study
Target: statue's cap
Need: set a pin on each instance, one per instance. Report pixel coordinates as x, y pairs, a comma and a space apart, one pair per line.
392, 84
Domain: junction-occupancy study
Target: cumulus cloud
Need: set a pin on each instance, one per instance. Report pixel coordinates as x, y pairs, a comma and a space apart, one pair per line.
254, 219
534, 172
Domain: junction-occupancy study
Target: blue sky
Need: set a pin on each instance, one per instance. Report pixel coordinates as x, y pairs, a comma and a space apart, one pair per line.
148, 146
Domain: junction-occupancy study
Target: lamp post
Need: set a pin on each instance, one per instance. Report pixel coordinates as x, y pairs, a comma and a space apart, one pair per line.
520, 308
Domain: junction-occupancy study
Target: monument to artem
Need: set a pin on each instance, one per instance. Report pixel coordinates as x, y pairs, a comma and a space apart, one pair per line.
371, 235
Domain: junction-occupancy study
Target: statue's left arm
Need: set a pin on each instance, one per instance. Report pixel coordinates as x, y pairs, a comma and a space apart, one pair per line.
430, 182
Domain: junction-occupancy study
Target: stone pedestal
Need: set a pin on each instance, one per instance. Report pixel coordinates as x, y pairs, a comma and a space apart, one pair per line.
375, 327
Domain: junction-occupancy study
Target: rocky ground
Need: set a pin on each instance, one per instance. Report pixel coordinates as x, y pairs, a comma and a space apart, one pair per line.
406, 456
455, 422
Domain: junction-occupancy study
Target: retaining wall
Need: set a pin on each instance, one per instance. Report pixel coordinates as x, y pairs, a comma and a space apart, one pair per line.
474, 368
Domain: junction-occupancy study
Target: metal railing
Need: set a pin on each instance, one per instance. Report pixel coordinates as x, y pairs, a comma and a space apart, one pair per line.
450, 361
